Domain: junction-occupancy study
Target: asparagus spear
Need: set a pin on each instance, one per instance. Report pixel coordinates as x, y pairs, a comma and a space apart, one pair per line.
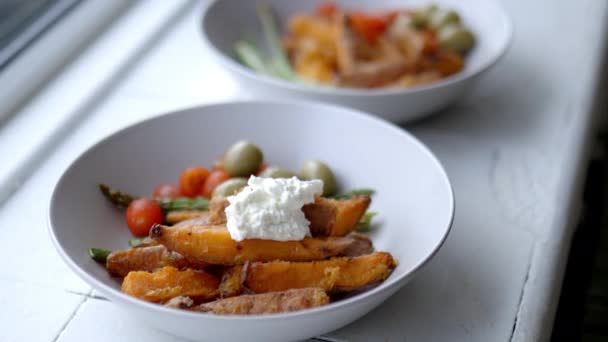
353, 193
250, 56
119, 198
183, 203
99, 254
365, 223
271, 32
123, 199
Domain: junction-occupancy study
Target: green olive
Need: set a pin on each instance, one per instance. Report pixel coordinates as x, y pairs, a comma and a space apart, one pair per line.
454, 37
422, 17
276, 172
440, 19
229, 187
242, 159
314, 169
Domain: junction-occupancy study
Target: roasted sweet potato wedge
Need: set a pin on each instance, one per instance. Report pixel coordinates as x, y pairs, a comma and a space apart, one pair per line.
213, 245
169, 282
338, 274
150, 258
173, 217
232, 281
327, 216
331, 217
267, 303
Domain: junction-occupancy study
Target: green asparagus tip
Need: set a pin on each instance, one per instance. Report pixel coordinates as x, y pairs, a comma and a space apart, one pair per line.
355, 192
99, 254
365, 224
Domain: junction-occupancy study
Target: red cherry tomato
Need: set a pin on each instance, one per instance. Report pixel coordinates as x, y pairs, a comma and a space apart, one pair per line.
142, 214
216, 177
167, 191
192, 180
367, 26
327, 9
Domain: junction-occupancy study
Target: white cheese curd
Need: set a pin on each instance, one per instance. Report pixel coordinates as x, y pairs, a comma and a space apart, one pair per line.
271, 209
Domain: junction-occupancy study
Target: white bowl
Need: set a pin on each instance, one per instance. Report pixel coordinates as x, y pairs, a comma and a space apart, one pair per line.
226, 21
414, 199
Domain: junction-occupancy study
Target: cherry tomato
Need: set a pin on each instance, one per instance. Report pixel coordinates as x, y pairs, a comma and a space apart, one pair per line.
327, 9
142, 214
216, 177
367, 26
167, 191
192, 180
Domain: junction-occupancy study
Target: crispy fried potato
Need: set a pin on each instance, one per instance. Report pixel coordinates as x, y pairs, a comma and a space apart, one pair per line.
232, 281
150, 258
362, 245
331, 217
183, 215
267, 303
169, 282
216, 210
213, 245
179, 302
328, 217
334, 275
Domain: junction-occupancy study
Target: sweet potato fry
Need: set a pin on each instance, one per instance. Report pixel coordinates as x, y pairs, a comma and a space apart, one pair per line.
169, 282
267, 303
179, 302
362, 245
183, 215
334, 275
213, 245
232, 281
120, 263
328, 217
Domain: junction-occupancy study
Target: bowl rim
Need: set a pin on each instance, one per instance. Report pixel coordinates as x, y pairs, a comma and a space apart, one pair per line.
383, 287
236, 67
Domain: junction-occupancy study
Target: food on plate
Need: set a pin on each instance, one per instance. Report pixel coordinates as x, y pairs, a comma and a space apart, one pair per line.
267, 303
327, 216
245, 237
338, 274
150, 258
185, 215
332, 217
347, 47
169, 282
214, 245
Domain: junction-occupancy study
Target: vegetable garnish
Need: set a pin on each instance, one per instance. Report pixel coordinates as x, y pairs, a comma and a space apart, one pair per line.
271, 32
365, 223
136, 241
346, 47
355, 192
118, 198
99, 254
122, 200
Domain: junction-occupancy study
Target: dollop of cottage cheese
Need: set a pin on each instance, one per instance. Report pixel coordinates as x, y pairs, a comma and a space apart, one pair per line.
271, 209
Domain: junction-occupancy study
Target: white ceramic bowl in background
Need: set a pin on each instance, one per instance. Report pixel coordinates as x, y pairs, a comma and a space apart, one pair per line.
414, 199
226, 21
